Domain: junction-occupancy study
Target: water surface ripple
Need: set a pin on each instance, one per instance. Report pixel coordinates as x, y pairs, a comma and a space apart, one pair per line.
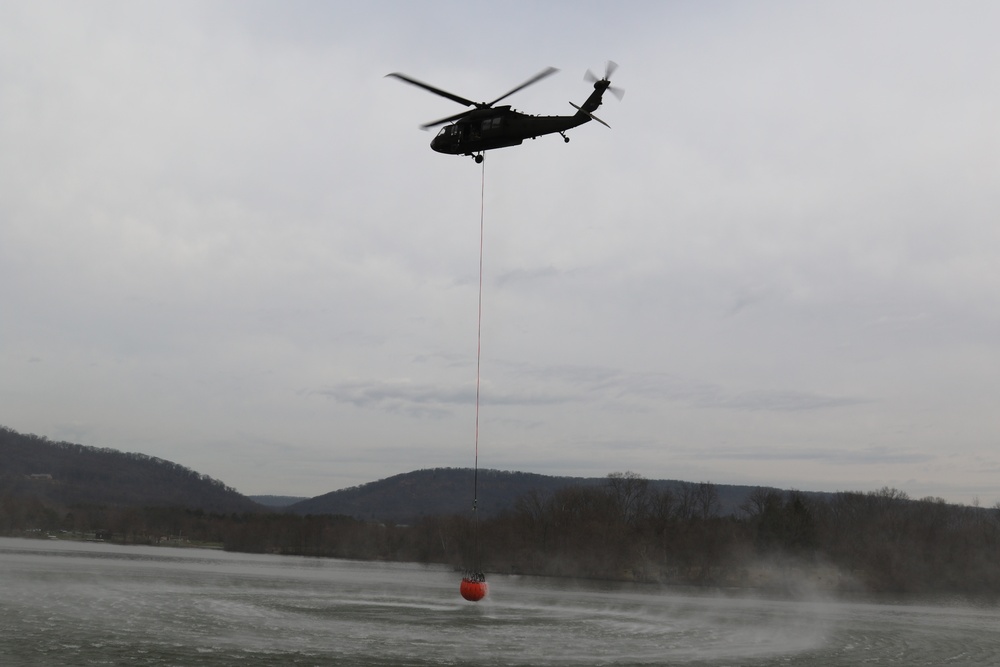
71, 603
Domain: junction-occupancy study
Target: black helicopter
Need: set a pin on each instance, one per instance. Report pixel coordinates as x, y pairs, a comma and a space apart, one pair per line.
486, 127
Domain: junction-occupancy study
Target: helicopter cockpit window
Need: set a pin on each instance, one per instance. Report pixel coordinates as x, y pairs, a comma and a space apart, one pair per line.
490, 124
445, 131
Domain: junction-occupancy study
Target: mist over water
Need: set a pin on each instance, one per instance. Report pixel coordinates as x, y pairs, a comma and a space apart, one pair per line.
68, 603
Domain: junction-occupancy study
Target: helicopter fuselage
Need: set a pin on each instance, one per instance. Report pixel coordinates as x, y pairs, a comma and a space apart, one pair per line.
498, 127
488, 126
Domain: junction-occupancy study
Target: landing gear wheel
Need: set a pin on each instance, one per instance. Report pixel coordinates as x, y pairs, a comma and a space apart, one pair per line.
565, 138
479, 158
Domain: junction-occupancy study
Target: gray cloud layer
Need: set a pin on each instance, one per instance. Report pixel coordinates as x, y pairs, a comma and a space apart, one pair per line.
224, 242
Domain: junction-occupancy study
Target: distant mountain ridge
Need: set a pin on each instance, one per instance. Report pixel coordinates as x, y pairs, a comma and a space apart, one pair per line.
68, 474
277, 501
430, 492
448, 491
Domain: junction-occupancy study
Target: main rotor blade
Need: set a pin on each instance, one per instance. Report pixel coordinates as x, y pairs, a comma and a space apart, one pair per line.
535, 79
436, 91
446, 120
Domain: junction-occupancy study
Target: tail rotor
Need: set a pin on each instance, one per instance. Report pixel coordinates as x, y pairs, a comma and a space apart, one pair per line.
609, 69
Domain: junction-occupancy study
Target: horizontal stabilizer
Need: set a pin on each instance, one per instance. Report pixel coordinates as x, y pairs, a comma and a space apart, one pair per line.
592, 116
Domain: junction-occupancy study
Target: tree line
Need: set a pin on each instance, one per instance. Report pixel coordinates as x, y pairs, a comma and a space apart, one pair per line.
623, 529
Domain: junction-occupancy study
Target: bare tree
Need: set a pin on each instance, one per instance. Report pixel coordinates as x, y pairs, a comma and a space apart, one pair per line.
630, 496
760, 501
706, 500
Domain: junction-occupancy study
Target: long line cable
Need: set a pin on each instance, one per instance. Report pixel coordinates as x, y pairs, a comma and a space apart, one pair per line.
479, 355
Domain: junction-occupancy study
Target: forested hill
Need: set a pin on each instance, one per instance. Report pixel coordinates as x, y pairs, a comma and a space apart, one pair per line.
449, 491
62, 474
67, 474
433, 492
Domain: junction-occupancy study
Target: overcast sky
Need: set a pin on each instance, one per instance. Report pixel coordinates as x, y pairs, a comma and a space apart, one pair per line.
225, 242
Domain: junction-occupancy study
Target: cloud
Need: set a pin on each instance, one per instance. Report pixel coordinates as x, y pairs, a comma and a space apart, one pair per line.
527, 275
778, 401
583, 387
428, 400
847, 456
364, 394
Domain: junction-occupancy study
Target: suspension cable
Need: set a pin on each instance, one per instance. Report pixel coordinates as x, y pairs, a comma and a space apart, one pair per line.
479, 355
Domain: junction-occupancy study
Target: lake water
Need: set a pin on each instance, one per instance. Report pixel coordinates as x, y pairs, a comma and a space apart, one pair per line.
72, 603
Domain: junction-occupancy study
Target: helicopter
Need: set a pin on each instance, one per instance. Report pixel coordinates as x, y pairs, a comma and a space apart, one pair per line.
486, 126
